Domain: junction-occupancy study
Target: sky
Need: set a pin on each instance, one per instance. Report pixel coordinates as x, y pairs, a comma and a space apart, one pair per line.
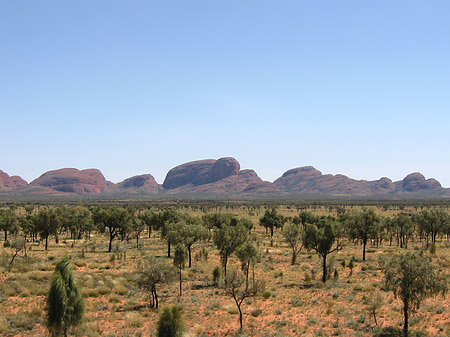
355, 87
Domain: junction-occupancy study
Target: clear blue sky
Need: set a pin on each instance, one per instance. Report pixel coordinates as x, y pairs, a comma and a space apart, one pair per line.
130, 87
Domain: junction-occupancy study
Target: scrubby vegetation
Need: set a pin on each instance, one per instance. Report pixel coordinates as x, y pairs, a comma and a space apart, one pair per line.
383, 269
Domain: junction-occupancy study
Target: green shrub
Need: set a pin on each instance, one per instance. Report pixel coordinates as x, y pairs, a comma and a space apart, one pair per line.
433, 249
3, 326
170, 323
103, 290
256, 312
216, 276
266, 294
114, 299
296, 301
121, 290
389, 331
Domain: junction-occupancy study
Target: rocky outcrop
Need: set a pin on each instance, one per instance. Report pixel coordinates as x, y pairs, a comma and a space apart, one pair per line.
214, 177
384, 185
195, 172
70, 180
201, 172
13, 182
223, 178
307, 181
297, 179
416, 181
142, 184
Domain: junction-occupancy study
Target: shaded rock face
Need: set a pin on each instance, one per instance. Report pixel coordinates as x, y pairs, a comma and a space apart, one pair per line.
384, 185
223, 168
201, 172
215, 177
416, 181
144, 183
232, 184
12, 182
192, 172
70, 180
297, 178
310, 182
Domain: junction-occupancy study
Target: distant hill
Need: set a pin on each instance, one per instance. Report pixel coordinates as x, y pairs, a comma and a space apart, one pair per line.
220, 178
10, 183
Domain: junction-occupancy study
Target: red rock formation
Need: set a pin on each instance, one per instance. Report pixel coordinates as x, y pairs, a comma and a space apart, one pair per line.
7, 182
142, 184
201, 172
70, 180
416, 181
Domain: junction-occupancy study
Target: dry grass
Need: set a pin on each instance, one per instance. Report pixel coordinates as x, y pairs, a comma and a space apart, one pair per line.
297, 303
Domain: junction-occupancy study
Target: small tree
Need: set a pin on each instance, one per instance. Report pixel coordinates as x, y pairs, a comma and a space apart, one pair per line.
47, 222
170, 323
364, 225
272, 219
188, 232
17, 245
165, 218
137, 227
375, 303
306, 218
432, 222
150, 219
323, 239
151, 273
65, 305
402, 223
8, 222
115, 219
235, 287
179, 260
292, 235
227, 239
216, 276
248, 254
412, 278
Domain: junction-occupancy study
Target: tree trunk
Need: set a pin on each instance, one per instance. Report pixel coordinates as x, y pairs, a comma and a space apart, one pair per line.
168, 248
190, 257
241, 317
180, 281
253, 274
225, 260
271, 232
111, 238
294, 256
6, 235
12, 260
46, 242
246, 275
152, 302
324, 270
364, 248
156, 297
405, 312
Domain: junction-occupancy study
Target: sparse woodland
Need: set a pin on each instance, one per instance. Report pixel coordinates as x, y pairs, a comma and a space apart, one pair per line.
225, 269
